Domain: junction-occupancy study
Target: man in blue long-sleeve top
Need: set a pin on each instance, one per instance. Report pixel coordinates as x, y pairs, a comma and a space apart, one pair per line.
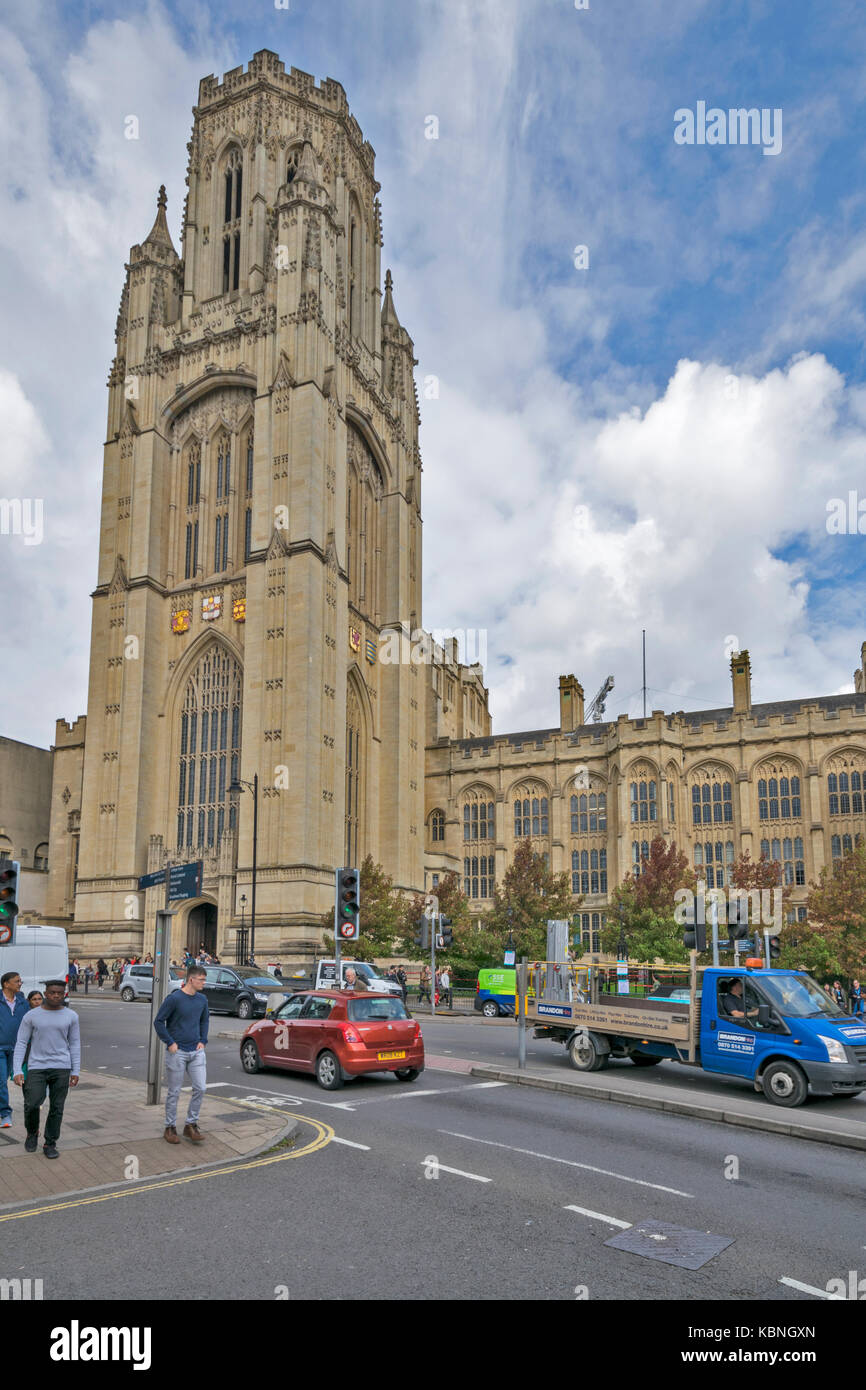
13, 1007
182, 1023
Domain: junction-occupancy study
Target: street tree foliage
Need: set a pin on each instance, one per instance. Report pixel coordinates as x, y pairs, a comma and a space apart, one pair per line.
529, 896
833, 941
382, 915
451, 902
643, 907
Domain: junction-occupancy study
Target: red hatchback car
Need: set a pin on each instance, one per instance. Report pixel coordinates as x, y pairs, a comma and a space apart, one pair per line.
336, 1035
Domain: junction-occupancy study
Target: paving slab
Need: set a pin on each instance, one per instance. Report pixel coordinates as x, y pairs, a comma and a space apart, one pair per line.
110, 1135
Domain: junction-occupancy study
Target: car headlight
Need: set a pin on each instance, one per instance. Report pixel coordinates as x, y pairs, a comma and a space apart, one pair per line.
262, 997
835, 1050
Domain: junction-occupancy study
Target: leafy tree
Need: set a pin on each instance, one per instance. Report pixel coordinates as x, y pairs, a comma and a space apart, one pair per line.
381, 917
643, 907
451, 902
530, 895
835, 937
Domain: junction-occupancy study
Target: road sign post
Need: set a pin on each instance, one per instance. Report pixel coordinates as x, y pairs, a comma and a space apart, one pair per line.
521, 1013
161, 962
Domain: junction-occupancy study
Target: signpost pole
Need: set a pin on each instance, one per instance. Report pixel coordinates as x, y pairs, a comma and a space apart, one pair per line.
434, 922
521, 1013
161, 959
338, 979
714, 912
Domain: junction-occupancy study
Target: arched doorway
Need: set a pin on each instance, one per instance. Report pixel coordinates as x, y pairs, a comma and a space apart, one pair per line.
201, 929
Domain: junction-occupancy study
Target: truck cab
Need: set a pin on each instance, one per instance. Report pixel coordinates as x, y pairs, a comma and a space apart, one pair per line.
780, 1030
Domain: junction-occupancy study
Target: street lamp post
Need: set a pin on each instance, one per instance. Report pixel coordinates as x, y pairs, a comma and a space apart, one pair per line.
235, 790
241, 953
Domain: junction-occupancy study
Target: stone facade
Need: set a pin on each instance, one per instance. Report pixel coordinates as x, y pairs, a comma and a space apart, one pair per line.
25, 788
260, 532
788, 778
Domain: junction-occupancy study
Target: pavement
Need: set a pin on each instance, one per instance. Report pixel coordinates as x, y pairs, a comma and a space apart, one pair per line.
111, 1136
746, 1110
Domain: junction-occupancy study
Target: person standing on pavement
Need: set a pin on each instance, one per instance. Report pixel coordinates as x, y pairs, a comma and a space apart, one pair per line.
182, 1024
13, 1008
53, 1037
856, 998
73, 976
445, 987
424, 984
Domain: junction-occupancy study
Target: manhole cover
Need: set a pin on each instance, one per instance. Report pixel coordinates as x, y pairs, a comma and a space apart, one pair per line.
673, 1245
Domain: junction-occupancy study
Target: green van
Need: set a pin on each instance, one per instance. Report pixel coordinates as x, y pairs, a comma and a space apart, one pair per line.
495, 992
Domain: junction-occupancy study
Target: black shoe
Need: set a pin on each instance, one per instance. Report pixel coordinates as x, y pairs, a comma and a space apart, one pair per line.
31, 1143
50, 1151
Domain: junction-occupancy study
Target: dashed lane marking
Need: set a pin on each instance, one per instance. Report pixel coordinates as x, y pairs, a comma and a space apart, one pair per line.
350, 1143
458, 1172
599, 1216
569, 1162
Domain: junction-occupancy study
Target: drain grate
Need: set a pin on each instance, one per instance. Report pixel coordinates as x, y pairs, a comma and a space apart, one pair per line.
673, 1245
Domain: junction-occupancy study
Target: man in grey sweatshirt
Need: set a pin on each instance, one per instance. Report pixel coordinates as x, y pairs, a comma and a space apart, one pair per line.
54, 1063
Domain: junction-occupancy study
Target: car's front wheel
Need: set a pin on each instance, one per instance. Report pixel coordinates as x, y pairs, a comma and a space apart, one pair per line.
127, 995
245, 1008
328, 1073
490, 1009
250, 1058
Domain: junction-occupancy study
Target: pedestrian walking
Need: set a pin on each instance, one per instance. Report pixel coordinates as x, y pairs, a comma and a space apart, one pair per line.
73, 977
856, 998
182, 1024
403, 982
424, 985
13, 1008
88, 977
445, 987
52, 1035
838, 994
101, 973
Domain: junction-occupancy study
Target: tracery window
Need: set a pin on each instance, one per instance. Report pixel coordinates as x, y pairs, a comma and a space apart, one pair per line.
233, 176
210, 741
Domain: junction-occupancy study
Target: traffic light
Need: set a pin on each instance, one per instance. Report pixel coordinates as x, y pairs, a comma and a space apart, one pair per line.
422, 934
348, 904
9, 871
695, 934
446, 937
738, 916
775, 948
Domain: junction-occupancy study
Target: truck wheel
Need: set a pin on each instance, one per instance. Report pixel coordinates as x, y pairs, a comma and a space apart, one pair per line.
643, 1059
585, 1054
783, 1083
490, 1009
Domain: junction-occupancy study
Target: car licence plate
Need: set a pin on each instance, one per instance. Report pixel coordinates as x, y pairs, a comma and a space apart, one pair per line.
390, 1056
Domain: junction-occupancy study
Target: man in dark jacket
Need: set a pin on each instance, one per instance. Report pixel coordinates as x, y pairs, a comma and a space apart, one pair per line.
13, 1007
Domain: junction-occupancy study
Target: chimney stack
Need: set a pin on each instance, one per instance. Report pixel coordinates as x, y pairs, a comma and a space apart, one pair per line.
570, 704
741, 675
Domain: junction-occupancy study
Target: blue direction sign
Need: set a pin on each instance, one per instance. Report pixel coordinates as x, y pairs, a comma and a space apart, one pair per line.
184, 880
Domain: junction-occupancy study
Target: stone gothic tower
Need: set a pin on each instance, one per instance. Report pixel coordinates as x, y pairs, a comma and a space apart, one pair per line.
260, 534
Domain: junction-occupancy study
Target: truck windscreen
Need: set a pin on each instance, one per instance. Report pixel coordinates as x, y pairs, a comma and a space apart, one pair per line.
797, 996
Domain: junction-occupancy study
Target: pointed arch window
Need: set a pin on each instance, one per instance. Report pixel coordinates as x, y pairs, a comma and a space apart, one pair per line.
209, 761
232, 222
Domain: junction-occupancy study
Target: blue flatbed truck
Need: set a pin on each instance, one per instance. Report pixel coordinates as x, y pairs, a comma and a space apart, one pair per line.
777, 1029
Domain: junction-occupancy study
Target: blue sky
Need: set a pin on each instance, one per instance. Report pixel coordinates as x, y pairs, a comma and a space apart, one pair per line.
650, 442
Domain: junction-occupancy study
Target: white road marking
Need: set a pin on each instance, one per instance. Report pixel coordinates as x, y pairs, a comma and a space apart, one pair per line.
569, 1162
808, 1288
212, 1085
289, 1099
483, 1085
458, 1172
598, 1216
350, 1143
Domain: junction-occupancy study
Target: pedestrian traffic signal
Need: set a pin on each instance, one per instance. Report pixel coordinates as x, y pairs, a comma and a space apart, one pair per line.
348, 904
695, 934
446, 935
9, 872
422, 934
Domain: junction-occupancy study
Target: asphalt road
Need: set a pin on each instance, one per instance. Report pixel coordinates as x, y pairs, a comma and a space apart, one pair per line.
452, 1189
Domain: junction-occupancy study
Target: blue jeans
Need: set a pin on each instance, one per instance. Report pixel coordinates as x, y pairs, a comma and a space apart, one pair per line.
6, 1054
176, 1066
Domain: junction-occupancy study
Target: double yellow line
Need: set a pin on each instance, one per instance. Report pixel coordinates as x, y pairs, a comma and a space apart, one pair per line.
323, 1136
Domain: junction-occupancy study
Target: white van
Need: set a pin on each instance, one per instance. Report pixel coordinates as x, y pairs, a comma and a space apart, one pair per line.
326, 973
38, 954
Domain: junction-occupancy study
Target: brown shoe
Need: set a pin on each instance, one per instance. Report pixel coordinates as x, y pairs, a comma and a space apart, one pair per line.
170, 1135
194, 1133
